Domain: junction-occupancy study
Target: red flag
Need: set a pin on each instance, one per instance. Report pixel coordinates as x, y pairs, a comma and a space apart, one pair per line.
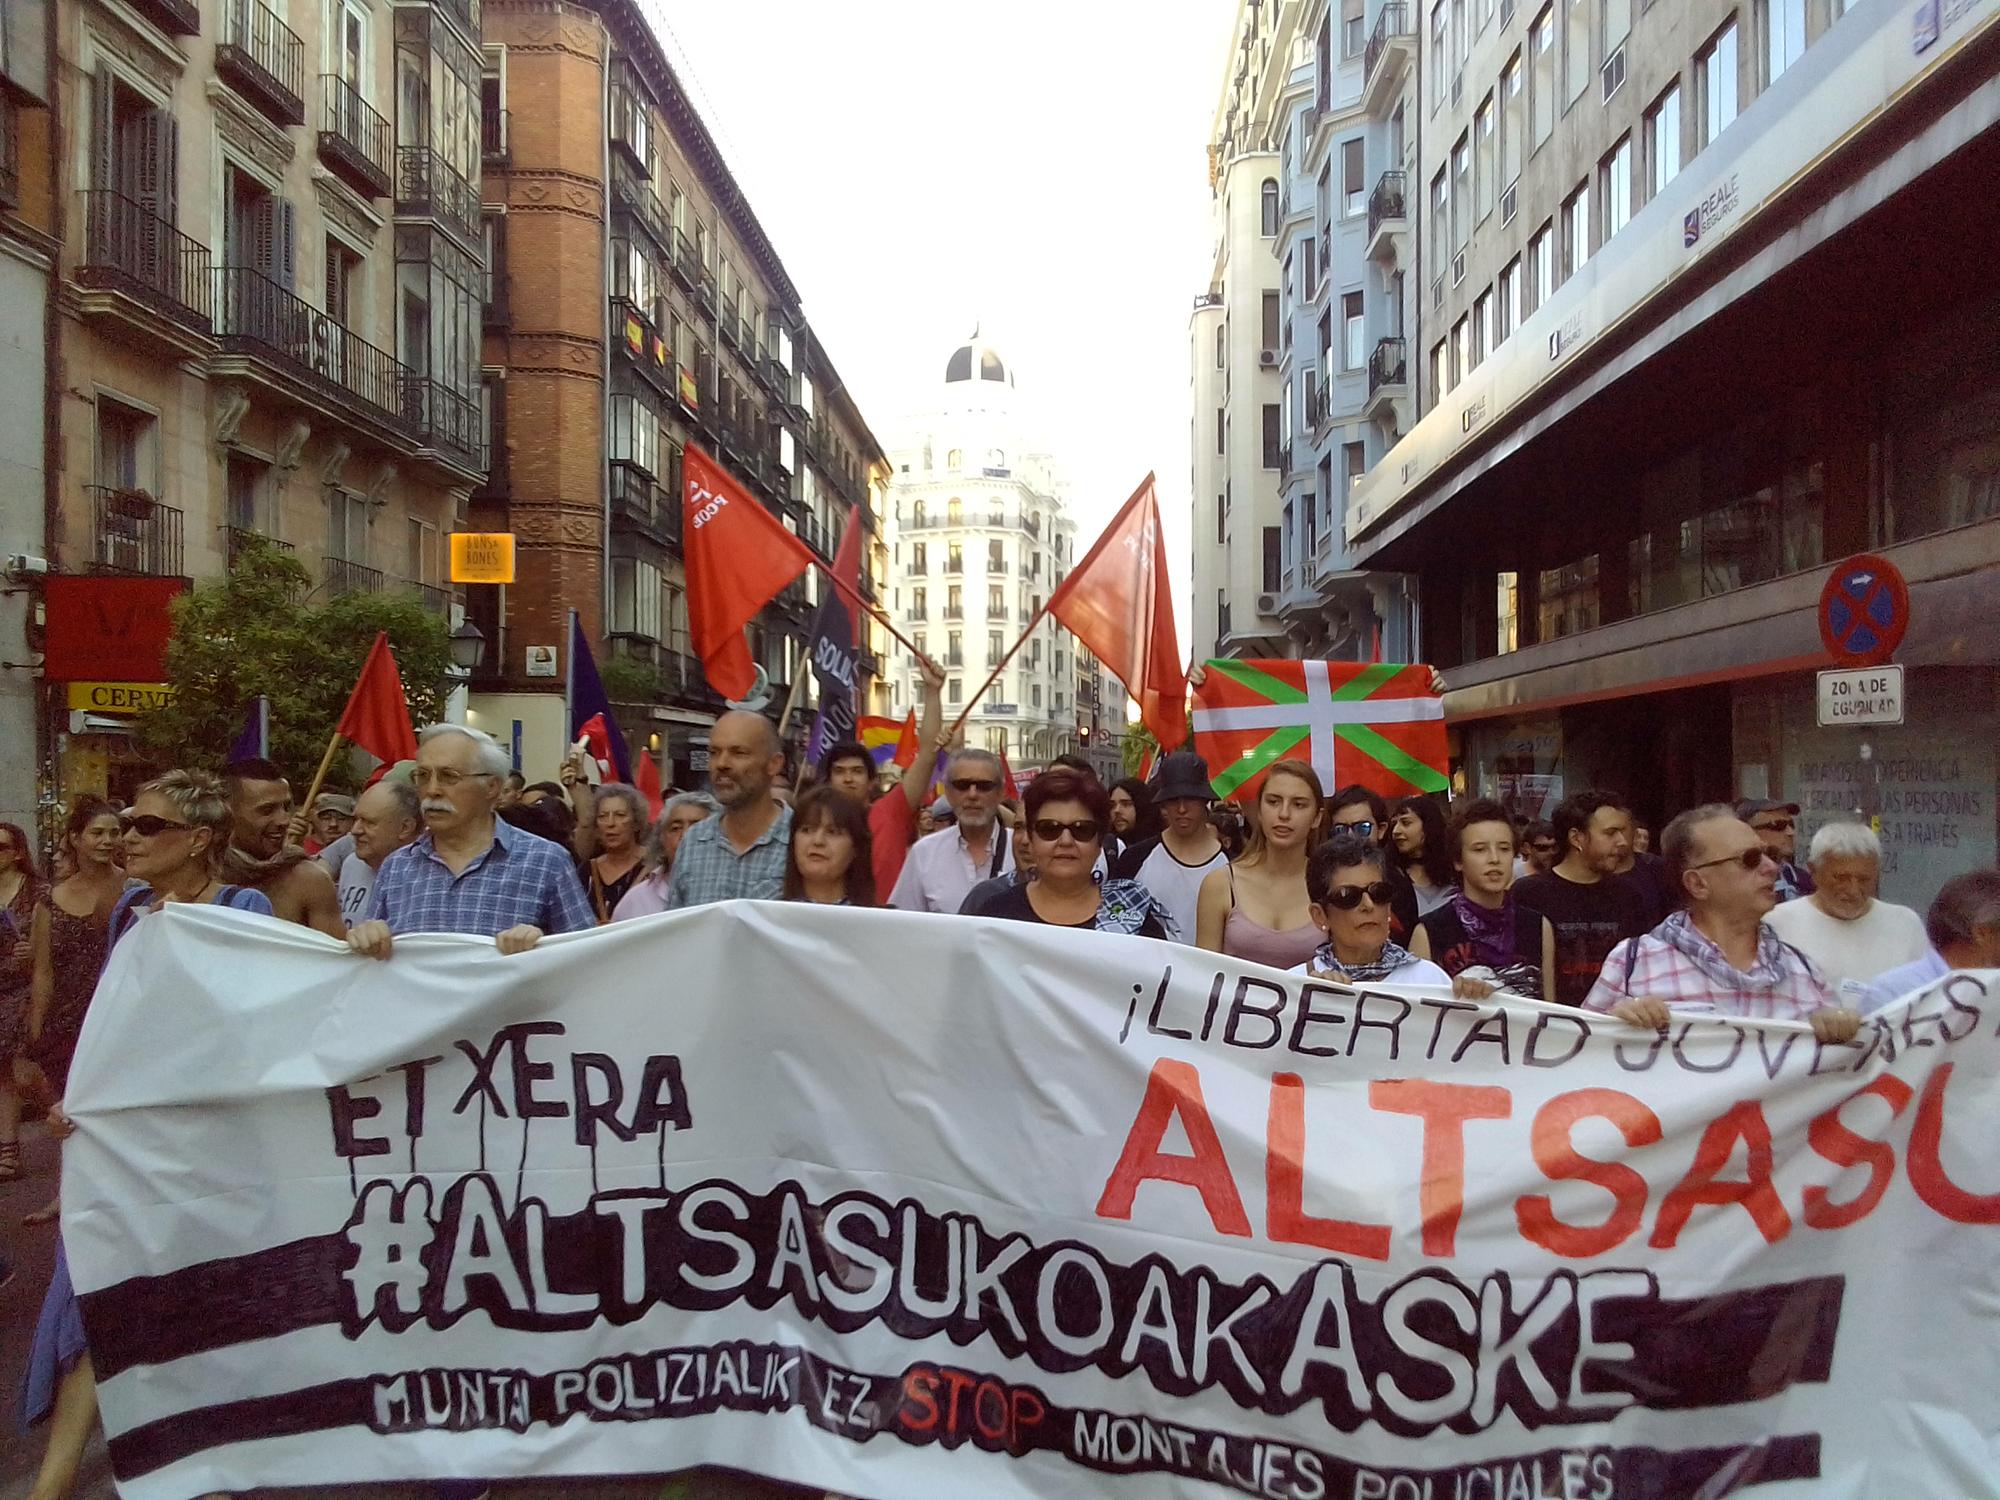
1008, 786
1116, 601
738, 559
1145, 771
376, 717
906, 744
847, 571
597, 741
648, 783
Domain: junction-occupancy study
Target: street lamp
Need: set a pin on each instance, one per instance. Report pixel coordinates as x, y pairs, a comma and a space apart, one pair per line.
468, 644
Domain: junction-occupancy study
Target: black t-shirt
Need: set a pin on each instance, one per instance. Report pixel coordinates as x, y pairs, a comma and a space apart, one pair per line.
1648, 877
1589, 921
1012, 904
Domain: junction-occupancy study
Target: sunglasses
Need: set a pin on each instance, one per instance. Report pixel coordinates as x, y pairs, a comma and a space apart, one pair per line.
1083, 830
146, 825
1365, 828
1749, 859
974, 784
1782, 825
1347, 897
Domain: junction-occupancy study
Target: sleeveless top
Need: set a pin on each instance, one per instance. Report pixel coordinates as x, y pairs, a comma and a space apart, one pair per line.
1243, 938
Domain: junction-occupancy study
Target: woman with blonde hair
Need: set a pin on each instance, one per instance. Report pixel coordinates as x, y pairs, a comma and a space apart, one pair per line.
1256, 907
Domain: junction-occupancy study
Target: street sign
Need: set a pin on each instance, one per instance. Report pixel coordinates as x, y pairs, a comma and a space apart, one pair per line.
482, 557
1863, 611
1860, 696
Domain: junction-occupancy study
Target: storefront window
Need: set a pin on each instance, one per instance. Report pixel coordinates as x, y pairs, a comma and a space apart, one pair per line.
1569, 601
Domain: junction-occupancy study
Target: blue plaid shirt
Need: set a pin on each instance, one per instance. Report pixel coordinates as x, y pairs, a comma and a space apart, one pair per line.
708, 868
521, 881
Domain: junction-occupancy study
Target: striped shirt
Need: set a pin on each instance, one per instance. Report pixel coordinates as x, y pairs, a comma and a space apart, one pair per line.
707, 867
520, 881
1780, 986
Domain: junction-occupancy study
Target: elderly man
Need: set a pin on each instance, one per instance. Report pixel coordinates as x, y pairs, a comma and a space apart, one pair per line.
259, 854
1718, 956
1963, 926
1777, 823
740, 855
386, 817
469, 871
944, 866
1849, 935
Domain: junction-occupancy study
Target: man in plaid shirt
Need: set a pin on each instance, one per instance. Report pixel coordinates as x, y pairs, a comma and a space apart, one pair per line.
470, 871
1719, 956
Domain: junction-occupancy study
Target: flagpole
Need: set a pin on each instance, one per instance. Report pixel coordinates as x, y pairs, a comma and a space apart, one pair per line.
325, 765
873, 611
994, 675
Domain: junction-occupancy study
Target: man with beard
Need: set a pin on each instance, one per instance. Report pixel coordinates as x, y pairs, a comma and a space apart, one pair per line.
944, 866
740, 855
297, 885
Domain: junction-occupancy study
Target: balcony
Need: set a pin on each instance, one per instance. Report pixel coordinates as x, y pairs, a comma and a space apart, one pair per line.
343, 577
433, 598
641, 505
263, 59
236, 539
465, 13
354, 140
448, 423
1388, 221
493, 147
132, 532
301, 353
174, 17
1208, 299
1388, 382
429, 187
141, 274
1392, 49
687, 270
496, 486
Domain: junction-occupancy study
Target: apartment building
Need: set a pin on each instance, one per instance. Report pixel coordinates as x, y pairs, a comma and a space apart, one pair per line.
980, 535
1708, 297
636, 307
268, 305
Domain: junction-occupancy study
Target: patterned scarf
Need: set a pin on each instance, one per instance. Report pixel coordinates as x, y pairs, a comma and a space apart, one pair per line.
1679, 933
1489, 932
1124, 905
1392, 957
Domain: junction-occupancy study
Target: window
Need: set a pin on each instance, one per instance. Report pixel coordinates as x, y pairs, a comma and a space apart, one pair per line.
1576, 49
954, 690
1482, 329
1308, 269
1035, 694
343, 283
1461, 339
955, 460
1576, 230
1461, 195
247, 482
1784, 23
920, 552
954, 508
1354, 192
954, 557
918, 603
347, 526
1542, 97
135, 152
1270, 321
1353, 29
954, 602
996, 552
1715, 68
1274, 558
1268, 199
635, 434
1440, 226
421, 564
1617, 25
1437, 370
1353, 337
1482, 159
1222, 429
1222, 345
1663, 140
1615, 186
995, 648
954, 648
1542, 264
1507, 302
1511, 123
1440, 51
996, 601
258, 229
1354, 463
1274, 457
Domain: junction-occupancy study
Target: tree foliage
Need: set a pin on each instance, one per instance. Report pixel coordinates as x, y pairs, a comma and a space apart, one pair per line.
258, 632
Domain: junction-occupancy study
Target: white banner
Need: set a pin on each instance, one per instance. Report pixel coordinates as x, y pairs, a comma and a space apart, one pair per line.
904, 1206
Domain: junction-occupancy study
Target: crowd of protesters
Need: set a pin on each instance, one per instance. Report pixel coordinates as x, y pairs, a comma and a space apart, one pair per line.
1577, 910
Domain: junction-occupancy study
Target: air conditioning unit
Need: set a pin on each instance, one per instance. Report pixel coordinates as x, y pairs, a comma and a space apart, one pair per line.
1509, 201
1613, 72
1267, 604
1267, 359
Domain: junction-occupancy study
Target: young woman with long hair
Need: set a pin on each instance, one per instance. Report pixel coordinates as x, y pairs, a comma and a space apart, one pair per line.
1257, 906
1423, 851
832, 861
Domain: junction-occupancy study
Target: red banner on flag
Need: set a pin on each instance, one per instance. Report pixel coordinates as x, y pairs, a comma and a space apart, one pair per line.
1377, 724
1116, 601
738, 559
376, 717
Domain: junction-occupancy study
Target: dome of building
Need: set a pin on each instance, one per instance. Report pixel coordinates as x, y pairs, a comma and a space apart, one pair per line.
977, 360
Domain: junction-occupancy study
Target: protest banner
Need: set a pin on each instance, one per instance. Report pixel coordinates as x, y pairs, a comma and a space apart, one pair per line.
1027, 1212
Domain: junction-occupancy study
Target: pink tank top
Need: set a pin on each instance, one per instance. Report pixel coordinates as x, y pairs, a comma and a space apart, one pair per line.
1243, 938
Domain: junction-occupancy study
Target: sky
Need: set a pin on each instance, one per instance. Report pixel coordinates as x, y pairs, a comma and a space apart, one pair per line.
1038, 168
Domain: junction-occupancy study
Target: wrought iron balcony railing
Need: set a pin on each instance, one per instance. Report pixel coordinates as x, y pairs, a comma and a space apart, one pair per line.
428, 186
129, 248
354, 139
133, 532
264, 59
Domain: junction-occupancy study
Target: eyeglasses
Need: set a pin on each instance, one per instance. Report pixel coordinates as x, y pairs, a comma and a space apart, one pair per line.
1083, 830
1783, 825
974, 784
1365, 828
1347, 897
146, 825
444, 777
1749, 859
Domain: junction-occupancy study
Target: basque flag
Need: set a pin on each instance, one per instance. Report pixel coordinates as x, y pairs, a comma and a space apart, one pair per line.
590, 715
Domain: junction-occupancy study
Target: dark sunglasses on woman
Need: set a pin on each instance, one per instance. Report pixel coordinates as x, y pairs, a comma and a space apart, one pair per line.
145, 824
1347, 897
1048, 830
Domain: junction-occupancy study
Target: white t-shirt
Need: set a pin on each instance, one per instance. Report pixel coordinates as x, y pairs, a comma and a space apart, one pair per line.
355, 886
1849, 954
1177, 886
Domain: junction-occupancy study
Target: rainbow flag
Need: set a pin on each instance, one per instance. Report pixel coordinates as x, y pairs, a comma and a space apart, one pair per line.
889, 743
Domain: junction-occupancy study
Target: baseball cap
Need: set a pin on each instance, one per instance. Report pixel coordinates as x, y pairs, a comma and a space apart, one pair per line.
1751, 807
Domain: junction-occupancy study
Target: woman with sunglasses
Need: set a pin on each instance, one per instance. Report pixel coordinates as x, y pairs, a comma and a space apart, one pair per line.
1068, 816
68, 945
1348, 877
1482, 937
20, 890
831, 862
1256, 907
1364, 814
175, 836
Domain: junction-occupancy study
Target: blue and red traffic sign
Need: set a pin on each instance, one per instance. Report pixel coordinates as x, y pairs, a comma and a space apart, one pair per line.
1864, 610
